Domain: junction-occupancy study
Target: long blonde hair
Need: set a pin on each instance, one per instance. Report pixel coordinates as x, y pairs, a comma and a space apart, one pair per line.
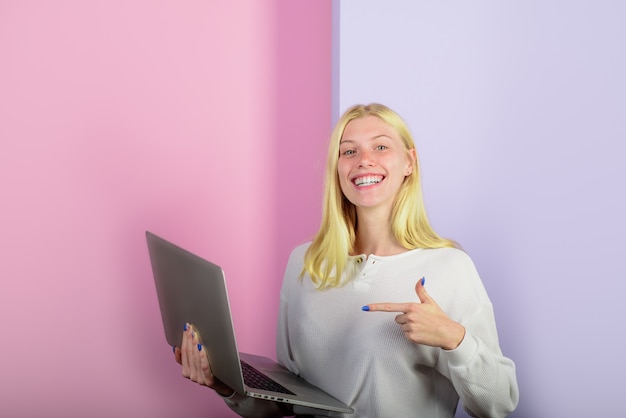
327, 257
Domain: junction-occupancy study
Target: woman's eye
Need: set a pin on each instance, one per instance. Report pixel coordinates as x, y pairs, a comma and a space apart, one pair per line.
381, 147
348, 152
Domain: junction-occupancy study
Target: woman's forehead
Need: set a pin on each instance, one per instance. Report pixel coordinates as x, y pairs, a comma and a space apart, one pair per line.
368, 127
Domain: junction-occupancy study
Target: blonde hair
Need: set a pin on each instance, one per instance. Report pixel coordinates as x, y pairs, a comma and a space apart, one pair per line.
327, 257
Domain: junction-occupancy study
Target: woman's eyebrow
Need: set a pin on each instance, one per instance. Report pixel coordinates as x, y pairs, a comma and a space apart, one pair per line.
371, 139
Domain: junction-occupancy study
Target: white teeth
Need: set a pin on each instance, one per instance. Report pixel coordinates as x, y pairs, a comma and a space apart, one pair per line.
368, 180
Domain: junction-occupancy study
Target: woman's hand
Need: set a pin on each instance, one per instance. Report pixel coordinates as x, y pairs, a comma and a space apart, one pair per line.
424, 323
196, 367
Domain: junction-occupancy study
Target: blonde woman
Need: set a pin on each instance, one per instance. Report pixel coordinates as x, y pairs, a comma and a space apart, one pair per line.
356, 318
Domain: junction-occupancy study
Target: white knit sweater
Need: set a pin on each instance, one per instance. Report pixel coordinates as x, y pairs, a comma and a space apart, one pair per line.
364, 359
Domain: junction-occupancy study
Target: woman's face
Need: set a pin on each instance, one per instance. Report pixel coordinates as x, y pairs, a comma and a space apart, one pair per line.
373, 163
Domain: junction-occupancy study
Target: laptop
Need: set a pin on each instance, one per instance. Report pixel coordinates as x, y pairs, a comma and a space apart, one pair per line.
192, 290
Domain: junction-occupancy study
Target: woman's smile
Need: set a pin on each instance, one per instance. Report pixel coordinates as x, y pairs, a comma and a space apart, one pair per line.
367, 180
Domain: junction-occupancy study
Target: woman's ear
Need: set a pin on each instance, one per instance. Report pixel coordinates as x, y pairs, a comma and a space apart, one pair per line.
412, 162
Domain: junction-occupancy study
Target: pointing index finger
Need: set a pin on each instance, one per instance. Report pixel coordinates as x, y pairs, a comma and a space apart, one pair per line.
386, 307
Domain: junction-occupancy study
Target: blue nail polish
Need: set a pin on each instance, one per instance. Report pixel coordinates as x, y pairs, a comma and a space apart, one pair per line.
174, 349
185, 327
366, 308
199, 347
423, 281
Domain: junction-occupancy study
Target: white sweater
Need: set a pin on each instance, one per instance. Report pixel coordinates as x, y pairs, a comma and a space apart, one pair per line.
364, 359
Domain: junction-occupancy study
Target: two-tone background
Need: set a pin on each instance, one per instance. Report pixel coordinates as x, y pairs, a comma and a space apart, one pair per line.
207, 122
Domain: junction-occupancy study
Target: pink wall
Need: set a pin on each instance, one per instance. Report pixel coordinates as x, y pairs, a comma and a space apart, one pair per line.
204, 121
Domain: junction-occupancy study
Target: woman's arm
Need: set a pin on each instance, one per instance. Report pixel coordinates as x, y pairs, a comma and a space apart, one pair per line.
470, 355
484, 379
196, 367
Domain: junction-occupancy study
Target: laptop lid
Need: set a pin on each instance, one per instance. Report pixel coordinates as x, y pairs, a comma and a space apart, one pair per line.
192, 289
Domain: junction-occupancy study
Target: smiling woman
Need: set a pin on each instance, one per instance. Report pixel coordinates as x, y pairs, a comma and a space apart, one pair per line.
413, 350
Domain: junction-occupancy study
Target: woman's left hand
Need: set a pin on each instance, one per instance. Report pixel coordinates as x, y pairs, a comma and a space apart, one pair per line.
424, 323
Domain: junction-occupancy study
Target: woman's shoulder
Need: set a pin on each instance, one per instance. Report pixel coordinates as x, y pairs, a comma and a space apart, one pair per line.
449, 256
299, 250
296, 257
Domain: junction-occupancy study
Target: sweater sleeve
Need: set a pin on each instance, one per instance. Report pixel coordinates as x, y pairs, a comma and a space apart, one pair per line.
482, 376
484, 379
249, 407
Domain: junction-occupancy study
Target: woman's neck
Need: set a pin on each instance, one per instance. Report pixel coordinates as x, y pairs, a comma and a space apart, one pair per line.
374, 236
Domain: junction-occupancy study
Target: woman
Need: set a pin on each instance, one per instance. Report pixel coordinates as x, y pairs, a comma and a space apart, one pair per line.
355, 316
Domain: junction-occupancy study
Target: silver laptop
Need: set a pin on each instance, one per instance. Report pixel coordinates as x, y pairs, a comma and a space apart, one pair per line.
193, 290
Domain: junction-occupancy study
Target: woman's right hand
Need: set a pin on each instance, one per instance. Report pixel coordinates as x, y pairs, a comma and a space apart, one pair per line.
196, 367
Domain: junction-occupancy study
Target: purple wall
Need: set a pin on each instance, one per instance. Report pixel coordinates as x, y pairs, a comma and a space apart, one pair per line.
519, 112
203, 121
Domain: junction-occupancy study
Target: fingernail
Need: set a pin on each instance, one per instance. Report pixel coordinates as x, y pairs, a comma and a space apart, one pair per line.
365, 308
423, 281
185, 327
174, 349
199, 347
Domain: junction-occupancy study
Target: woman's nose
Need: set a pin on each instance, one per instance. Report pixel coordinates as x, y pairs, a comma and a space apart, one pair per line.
366, 159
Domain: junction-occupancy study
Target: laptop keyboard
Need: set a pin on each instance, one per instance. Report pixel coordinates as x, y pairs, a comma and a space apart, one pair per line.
257, 380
